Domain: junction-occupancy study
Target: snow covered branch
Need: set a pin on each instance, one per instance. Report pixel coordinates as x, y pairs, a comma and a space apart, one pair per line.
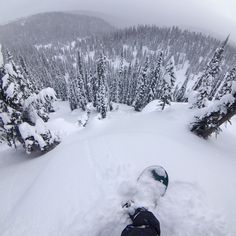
210, 119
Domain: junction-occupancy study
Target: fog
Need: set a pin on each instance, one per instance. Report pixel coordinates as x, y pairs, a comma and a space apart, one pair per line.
210, 16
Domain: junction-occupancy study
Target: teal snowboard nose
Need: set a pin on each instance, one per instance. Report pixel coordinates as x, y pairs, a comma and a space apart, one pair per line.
156, 173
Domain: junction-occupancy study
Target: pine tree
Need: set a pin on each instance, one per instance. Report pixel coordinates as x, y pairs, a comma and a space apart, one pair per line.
124, 86
155, 77
28, 78
180, 95
59, 82
91, 87
168, 83
115, 90
71, 92
142, 87
134, 83
102, 101
206, 83
102, 93
20, 113
128, 84
121, 78
80, 85
226, 87
210, 118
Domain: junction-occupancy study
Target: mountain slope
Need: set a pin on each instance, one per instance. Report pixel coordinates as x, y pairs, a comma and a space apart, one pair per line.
77, 188
52, 27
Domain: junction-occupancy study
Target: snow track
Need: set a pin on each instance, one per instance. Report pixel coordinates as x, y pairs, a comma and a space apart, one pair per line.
77, 188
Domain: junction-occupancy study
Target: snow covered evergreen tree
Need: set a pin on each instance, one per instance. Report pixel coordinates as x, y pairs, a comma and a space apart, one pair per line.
226, 87
91, 84
180, 95
59, 81
167, 85
155, 78
80, 85
209, 119
206, 83
115, 88
133, 83
102, 101
20, 112
39, 105
121, 79
28, 78
71, 94
142, 87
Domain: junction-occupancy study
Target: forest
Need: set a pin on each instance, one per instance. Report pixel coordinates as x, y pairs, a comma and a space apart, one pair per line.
132, 66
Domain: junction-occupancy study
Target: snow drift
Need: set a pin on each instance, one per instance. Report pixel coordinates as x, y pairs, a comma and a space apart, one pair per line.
78, 188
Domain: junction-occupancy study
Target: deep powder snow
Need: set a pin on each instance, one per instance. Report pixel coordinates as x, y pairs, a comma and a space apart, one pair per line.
78, 188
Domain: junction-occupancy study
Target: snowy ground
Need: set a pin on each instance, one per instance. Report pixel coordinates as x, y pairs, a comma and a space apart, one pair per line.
77, 188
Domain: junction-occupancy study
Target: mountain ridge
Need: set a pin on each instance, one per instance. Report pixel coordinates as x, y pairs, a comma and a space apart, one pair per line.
52, 26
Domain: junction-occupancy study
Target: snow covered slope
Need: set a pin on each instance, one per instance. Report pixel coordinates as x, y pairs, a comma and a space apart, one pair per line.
77, 188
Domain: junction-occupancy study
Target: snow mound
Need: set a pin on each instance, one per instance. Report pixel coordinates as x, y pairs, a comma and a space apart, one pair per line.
155, 105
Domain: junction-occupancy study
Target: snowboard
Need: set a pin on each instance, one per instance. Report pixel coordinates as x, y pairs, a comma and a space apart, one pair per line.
155, 174
150, 186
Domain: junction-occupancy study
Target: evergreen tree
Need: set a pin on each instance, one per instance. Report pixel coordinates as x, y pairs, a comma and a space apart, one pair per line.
29, 80
80, 85
142, 87
121, 78
168, 84
180, 95
19, 114
155, 78
134, 83
102, 100
210, 118
128, 84
205, 84
91, 87
226, 87
124, 86
102, 93
59, 82
72, 97
115, 90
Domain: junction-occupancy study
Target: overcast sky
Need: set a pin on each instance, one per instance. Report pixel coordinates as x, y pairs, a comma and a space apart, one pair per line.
211, 16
